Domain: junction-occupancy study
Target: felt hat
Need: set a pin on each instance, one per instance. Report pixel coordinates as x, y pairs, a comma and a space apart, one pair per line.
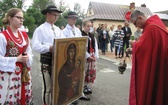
50, 8
71, 14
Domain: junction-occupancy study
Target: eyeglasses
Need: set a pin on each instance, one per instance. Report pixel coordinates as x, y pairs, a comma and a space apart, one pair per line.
19, 17
56, 15
135, 21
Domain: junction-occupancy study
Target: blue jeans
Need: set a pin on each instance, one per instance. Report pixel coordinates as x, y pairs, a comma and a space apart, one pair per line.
103, 46
111, 45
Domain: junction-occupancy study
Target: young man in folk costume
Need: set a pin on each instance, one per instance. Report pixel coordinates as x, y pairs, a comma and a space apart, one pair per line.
42, 42
16, 59
71, 31
92, 56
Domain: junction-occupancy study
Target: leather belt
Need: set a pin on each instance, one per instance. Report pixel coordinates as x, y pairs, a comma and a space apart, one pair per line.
46, 58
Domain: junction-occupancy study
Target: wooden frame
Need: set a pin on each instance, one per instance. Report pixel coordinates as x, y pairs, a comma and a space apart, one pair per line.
67, 78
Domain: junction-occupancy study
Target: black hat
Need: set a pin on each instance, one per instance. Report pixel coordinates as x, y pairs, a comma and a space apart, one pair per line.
50, 8
71, 14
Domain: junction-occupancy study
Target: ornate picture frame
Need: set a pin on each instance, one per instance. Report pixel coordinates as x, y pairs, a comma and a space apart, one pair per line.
68, 69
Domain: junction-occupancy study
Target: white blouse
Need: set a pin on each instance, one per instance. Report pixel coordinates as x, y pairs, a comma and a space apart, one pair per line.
8, 64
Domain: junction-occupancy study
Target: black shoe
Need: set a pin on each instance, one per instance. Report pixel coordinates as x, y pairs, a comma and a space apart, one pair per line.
85, 91
85, 98
89, 90
74, 103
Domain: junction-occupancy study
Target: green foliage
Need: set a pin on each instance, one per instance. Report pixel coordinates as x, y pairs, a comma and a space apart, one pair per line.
42, 4
63, 7
29, 23
33, 16
1, 22
61, 22
7, 4
79, 11
132, 37
38, 17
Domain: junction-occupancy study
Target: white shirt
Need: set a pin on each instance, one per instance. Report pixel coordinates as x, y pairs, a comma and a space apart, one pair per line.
91, 29
43, 37
111, 33
96, 49
8, 64
67, 31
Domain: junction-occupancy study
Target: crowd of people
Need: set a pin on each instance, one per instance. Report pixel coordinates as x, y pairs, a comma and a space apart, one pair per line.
117, 36
149, 66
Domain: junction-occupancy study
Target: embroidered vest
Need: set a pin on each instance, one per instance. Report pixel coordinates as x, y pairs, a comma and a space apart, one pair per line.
13, 50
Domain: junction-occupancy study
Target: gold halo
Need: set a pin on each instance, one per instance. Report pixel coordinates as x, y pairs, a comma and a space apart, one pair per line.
79, 57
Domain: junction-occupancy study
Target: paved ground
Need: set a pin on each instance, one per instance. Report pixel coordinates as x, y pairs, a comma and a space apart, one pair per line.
112, 92
110, 56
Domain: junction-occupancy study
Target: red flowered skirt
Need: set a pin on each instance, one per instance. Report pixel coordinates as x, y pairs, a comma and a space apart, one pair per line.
10, 89
90, 73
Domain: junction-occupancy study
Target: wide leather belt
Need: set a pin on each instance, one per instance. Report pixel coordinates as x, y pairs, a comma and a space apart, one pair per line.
46, 58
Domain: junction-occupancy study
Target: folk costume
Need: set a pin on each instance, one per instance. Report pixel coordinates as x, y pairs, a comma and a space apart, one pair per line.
14, 91
42, 41
70, 32
92, 50
149, 76
43, 38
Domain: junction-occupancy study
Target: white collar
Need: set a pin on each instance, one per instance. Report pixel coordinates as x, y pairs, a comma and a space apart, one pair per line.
70, 27
48, 24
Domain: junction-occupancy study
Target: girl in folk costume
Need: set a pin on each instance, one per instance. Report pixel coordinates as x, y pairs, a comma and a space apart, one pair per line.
91, 55
16, 59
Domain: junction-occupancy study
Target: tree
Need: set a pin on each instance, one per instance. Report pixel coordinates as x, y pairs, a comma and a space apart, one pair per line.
39, 5
80, 12
7, 4
36, 8
31, 11
30, 23
65, 8
42, 4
